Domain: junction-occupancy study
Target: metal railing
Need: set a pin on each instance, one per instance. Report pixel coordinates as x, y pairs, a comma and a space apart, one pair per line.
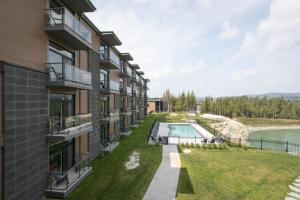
60, 72
109, 55
60, 15
69, 124
265, 144
62, 180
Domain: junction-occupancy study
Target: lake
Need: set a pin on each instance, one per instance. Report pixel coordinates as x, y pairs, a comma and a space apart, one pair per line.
282, 136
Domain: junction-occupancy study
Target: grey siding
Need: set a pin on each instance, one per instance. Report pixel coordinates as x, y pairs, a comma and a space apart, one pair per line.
25, 129
94, 136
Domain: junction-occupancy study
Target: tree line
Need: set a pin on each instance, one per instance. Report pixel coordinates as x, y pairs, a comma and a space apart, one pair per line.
252, 107
182, 102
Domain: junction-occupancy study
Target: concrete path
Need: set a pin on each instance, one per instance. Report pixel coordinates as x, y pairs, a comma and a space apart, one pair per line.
164, 183
295, 190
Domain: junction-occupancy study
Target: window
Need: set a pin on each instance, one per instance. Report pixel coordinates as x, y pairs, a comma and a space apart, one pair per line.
104, 106
62, 156
61, 107
104, 78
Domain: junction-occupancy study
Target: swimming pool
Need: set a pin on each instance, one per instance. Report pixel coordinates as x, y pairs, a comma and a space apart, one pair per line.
183, 130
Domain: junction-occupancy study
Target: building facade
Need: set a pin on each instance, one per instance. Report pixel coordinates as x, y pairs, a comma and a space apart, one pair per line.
155, 105
66, 96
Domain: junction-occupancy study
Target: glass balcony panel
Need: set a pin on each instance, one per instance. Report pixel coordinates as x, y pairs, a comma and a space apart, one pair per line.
69, 124
129, 90
114, 85
129, 71
65, 72
114, 57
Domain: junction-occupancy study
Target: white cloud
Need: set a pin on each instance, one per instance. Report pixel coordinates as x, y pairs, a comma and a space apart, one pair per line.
229, 31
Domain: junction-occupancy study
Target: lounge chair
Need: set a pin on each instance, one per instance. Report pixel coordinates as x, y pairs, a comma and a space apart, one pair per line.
204, 141
212, 141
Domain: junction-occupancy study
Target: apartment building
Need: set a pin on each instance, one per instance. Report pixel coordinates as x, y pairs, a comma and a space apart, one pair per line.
155, 105
66, 96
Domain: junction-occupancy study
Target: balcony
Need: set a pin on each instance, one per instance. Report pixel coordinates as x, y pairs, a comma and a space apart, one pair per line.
69, 76
123, 71
62, 24
125, 131
60, 184
69, 127
109, 86
109, 58
110, 145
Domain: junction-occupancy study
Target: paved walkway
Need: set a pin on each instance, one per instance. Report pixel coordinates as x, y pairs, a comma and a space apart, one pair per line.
164, 183
295, 190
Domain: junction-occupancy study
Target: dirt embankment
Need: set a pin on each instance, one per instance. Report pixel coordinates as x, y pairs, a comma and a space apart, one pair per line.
234, 129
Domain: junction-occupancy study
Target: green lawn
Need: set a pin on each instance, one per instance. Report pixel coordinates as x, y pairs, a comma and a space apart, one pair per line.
268, 122
109, 178
236, 174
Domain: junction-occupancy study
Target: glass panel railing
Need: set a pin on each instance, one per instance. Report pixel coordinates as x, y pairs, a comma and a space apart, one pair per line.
60, 72
114, 57
69, 124
129, 71
56, 16
114, 85
129, 90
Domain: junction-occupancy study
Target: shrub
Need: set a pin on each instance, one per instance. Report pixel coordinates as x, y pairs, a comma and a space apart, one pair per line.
245, 147
204, 146
210, 146
192, 145
198, 146
187, 144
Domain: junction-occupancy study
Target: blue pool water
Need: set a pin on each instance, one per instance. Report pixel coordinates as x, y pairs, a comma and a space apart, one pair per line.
182, 130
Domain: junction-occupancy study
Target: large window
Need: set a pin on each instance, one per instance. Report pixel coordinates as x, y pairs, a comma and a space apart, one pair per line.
62, 156
104, 79
104, 106
61, 107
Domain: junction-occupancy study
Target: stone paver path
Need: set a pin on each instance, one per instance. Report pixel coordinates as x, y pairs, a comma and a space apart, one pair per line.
164, 183
295, 190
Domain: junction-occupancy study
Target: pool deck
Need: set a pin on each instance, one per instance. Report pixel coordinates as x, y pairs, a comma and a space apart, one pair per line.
164, 183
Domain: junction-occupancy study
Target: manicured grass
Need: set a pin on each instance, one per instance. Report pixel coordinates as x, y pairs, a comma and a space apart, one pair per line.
236, 174
268, 122
110, 179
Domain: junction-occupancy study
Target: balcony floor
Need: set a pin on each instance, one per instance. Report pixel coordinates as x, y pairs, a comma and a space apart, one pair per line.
111, 147
126, 133
60, 190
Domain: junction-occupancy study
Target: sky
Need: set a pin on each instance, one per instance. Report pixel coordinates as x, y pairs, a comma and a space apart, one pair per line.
216, 48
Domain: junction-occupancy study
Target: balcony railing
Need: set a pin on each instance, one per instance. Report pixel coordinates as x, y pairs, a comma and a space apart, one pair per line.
114, 85
111, 144
112, 115
69, 127
63, 74
62, 183
129, 90
109, 58
60, 17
